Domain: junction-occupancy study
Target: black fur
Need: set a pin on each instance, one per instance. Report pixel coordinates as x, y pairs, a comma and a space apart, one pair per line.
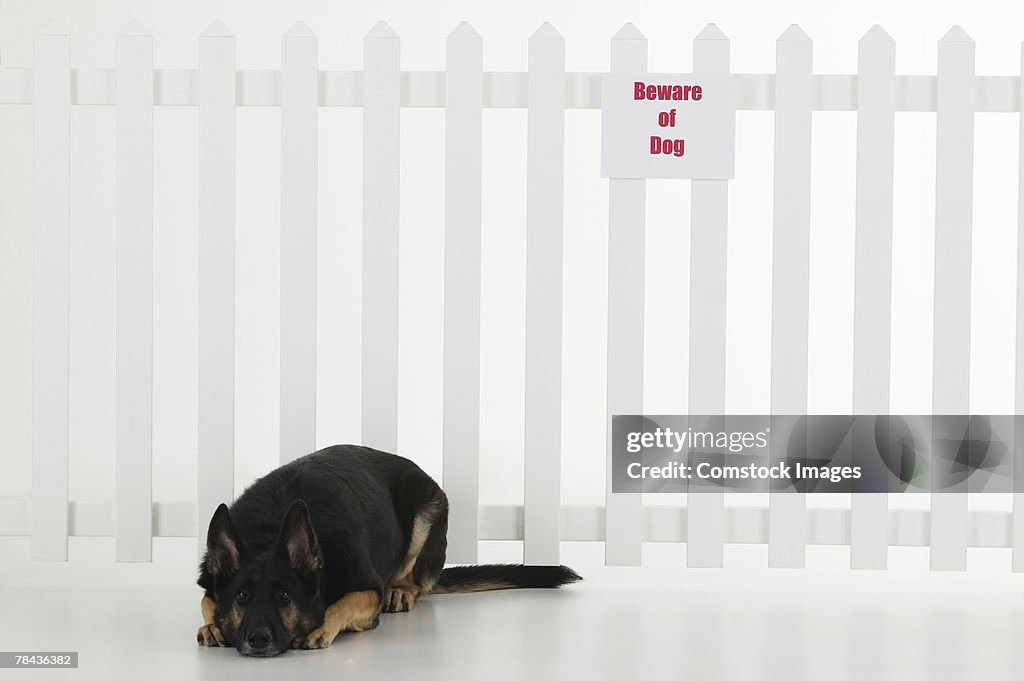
331, 523
465, 578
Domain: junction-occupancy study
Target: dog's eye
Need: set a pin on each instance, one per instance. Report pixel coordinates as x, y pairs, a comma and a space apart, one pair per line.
242, 597
283, 596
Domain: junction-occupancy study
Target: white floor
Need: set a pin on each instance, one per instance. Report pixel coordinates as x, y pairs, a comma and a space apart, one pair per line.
621, 623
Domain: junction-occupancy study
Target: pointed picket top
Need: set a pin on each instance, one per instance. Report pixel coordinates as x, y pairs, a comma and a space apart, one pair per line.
217, 30
546, 32
53, 27
381, 30
136, 28
794, 34
956, 35
464, 32
877, 34
628, 32
299, 30
711, 32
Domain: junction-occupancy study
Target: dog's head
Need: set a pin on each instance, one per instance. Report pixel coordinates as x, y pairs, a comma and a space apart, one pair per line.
266, 597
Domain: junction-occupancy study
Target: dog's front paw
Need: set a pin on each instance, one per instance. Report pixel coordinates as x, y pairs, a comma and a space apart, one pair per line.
209, 635
317, 639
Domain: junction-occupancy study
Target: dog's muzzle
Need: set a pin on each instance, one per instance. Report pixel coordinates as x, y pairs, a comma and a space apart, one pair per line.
260, 642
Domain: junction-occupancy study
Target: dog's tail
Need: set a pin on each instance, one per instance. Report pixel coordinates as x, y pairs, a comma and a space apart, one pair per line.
469, 578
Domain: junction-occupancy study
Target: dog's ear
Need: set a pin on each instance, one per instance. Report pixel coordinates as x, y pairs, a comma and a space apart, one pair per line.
223, 547
298, 540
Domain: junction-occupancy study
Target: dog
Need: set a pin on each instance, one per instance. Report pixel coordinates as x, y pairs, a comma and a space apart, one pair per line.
326, 543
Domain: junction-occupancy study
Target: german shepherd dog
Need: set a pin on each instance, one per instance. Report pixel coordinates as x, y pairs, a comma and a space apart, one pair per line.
326, 543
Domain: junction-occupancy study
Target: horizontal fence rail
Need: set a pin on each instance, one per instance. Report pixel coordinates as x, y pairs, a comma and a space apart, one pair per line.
546, 91
663, 524
501, 90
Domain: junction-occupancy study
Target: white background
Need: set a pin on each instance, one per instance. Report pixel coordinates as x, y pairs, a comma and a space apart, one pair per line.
505, 27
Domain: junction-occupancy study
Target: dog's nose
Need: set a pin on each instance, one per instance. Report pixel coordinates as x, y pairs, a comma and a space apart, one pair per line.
259, 638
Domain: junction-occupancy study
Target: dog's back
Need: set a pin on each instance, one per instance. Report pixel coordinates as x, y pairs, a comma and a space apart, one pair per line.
358, 498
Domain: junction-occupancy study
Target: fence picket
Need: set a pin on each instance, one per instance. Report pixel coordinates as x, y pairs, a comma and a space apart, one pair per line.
381, 101
51, 284
1018, 431
216, 271
709, 224
134, 284
876, 102
954, 194
790, 272
627, 211
299, 103
545, 158
463, 168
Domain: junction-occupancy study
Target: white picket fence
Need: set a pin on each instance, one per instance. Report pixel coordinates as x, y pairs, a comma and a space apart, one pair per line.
52, 87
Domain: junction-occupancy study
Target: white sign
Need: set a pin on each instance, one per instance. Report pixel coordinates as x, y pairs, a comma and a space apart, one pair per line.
668, 126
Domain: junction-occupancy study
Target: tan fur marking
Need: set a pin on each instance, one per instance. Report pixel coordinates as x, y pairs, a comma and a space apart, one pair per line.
296, 624
474, 587
207, 606
356, 611
234, 617
421, 525
290, 617
209, 634
232, 622
403, 591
